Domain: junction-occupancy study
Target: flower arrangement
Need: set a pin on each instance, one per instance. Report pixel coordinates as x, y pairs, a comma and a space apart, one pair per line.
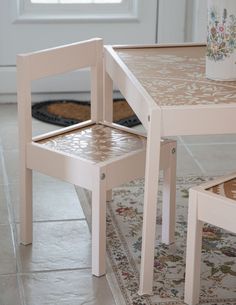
221, 35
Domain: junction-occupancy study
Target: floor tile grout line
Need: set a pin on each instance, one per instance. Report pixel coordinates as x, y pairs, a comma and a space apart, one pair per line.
7, 274
55, 270
56, 220
12, 226
194, 159
47, 271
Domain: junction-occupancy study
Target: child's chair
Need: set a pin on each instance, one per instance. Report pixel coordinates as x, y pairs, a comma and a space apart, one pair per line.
96, 155
213, 203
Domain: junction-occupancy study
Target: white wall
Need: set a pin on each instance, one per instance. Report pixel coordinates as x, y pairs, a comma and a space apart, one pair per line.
199, 20
182, 21
172, 21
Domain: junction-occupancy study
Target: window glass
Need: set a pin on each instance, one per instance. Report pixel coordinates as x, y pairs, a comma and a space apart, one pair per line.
77, 10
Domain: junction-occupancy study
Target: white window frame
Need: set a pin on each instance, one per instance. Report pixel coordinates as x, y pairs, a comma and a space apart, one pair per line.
26, 11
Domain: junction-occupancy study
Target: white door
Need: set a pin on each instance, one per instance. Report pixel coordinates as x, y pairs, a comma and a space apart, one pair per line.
200, 21
28, 25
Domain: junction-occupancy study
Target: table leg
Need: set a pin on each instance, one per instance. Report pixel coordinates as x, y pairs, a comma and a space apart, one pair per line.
150, 203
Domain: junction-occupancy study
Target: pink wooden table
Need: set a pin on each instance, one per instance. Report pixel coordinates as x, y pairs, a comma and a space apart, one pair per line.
167, 89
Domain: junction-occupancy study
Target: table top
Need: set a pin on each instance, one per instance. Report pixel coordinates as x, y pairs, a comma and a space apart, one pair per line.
176, 75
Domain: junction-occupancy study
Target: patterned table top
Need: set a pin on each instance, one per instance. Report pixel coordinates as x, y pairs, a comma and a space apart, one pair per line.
225, 189
96, 143
176, 76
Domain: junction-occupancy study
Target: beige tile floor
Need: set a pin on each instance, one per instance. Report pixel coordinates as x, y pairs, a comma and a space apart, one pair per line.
56, 269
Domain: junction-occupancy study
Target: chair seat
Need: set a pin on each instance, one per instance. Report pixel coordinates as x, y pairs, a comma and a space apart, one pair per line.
96, 143
226, 189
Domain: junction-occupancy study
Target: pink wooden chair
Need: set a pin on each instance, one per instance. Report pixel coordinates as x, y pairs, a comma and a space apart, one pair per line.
95, 154
213, 203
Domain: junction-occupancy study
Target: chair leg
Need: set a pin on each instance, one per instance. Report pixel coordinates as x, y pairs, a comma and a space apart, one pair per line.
26, 225
169, 198
193, 252
109, 195
99, 227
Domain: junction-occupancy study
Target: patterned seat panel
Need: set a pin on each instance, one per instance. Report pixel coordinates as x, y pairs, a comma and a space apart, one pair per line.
176, 76
96, 143
226, 189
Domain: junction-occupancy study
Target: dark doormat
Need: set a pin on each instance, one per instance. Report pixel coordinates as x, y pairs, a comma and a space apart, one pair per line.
69, 112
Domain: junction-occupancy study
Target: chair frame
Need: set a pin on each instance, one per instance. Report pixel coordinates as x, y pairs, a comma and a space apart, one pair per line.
204, 207
101, 177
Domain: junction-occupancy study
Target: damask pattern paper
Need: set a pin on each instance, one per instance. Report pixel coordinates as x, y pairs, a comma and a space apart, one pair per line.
176, 76
96, 143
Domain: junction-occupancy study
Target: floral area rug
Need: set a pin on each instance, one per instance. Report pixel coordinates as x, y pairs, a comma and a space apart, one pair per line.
124, 226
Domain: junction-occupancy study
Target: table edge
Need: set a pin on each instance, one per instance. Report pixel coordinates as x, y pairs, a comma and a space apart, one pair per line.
162, 45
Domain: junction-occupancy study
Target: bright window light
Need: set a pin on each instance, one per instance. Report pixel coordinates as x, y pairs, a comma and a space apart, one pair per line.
77, 10
75, 1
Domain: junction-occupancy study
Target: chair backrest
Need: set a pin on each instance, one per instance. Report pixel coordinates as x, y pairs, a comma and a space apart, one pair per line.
54, 61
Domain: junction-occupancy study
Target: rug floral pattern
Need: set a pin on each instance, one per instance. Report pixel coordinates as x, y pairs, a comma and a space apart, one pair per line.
124, 224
